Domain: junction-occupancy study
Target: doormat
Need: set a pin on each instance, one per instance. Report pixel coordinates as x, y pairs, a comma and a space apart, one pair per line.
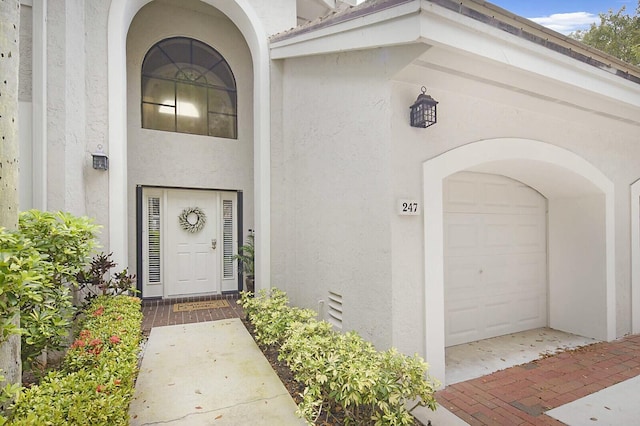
196, 306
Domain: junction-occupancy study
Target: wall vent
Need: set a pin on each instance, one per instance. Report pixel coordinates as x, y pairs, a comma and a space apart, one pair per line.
334, 310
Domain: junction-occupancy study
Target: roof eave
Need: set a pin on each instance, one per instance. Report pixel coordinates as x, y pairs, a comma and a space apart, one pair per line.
343, 32
397, 22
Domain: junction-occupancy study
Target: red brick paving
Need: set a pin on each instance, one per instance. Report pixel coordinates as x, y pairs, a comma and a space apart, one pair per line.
520, 395
158, 312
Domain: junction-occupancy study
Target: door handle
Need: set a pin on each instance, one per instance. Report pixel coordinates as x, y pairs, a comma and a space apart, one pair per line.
214, 243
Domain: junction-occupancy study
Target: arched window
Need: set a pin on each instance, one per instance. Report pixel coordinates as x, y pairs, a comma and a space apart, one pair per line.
188, 87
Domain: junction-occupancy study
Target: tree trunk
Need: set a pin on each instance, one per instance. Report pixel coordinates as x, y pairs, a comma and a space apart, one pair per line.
9, 59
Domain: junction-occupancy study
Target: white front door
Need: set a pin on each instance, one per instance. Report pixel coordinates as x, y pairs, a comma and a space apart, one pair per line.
193, 252
186, 259
495, 257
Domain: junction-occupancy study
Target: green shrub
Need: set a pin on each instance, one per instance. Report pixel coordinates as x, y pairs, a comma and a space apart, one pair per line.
8, 394
96, 382
20, 275
66, 240
271, 316
65, 243
342, 373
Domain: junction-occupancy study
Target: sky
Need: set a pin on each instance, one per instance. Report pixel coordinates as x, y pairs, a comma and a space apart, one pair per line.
565, 16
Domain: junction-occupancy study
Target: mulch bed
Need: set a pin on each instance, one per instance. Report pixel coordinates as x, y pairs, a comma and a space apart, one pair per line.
294, 387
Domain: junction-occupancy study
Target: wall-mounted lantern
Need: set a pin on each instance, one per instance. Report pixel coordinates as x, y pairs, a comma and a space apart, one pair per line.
100, 159
424, 110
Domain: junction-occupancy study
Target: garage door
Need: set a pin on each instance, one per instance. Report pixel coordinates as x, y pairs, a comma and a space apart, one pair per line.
495, 252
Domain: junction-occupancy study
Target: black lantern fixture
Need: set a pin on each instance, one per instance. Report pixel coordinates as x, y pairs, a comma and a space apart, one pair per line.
423, 111
100, 159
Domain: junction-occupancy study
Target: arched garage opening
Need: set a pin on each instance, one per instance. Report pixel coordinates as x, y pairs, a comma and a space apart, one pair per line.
581, 287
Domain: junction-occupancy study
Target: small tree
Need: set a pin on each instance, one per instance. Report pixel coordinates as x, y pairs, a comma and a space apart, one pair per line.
618, 34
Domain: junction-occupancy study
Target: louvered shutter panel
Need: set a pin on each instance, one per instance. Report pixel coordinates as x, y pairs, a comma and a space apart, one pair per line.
227, 239
153, 214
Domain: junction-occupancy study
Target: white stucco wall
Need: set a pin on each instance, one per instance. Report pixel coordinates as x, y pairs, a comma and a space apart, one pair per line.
66, 112
180, 160
71, 111
97, 113
593, 135
331, 210
25, 189
25, 85
33, 105
330, 182
471, 110
339, 162
577, 272
277, 15
26, 53
69, 87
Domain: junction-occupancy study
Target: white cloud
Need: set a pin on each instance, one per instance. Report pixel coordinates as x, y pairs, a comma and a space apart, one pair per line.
566, 23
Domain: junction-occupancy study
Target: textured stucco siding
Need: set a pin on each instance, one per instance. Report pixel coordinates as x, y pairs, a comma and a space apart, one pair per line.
331, 185
275, 15
180, 160
97, 109
472, 110
336, 181
342, 151
68, 155
77, 108
26, 54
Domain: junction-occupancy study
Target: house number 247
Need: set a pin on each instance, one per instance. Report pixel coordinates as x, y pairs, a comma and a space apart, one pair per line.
408, 207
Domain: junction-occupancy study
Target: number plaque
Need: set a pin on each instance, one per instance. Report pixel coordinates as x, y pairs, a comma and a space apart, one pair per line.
408, 207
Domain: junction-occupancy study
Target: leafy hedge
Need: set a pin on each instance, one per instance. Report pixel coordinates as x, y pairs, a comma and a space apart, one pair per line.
342, 372
20, 274
96, 382
64, 242
271, 315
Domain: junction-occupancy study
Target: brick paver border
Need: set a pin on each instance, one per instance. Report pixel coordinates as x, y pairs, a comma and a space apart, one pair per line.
158, 312
521, 395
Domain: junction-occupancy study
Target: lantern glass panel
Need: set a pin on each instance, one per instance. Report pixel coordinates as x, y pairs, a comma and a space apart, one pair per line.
100, 162
423, 112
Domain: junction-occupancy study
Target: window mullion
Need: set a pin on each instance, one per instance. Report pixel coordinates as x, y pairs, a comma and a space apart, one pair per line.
190, 75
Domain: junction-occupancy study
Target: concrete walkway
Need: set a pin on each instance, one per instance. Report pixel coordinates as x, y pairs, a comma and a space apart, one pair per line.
199, 371
208, 373
613, 406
